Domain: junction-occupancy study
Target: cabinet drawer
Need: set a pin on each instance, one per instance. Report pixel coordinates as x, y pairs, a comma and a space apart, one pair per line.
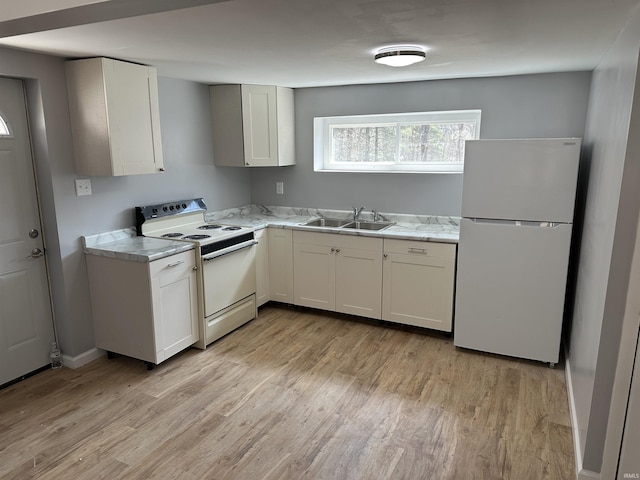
338, 240
178, 263
425, 249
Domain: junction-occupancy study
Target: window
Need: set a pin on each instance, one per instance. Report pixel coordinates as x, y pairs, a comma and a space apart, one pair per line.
427, 142
4, 128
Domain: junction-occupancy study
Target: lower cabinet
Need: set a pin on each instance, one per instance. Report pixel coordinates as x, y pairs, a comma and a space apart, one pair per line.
280, 260
262, 267
418, 283
402, 281
147, 311
341, 273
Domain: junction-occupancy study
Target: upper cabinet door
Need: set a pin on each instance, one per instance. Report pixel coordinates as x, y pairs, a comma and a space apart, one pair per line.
253, 125
115, 117
260, 123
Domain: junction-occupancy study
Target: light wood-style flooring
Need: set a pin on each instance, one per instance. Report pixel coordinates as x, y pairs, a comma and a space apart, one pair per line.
294, 394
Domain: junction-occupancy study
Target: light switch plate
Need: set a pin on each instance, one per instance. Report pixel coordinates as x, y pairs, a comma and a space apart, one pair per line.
280, 188
83, 186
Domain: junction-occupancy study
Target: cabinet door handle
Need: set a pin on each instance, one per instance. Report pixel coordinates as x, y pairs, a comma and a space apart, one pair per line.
337, 250
385, 255
175, 264
417, 250
333, 249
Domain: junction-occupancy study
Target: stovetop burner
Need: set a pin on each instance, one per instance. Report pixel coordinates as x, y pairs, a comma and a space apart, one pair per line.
173, 235
231, 228
197, 237
209, 227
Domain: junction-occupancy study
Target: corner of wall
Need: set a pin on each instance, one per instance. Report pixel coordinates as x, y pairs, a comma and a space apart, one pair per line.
82, 359
581, 473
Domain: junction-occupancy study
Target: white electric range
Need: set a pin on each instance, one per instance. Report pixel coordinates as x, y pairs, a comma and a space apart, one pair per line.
225, 260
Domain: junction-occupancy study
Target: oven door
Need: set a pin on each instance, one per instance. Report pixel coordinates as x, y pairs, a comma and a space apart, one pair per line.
228, 276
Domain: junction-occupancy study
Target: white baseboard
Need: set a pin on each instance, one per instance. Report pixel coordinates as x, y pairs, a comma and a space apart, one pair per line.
581, 473
82, 359
588, 475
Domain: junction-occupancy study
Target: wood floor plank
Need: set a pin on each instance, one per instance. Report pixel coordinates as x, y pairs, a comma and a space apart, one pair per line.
295, 393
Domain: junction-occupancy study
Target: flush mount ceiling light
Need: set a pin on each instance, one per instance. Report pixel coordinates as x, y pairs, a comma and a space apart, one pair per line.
400, 55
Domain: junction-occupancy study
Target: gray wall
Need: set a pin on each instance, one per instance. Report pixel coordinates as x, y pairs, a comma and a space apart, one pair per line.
553, 105
610, 179
526, 106
186, 138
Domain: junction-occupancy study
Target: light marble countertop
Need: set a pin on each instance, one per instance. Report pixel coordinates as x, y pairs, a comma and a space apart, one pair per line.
125, 245
406, 227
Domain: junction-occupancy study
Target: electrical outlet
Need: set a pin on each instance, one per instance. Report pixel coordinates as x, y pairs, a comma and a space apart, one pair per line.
280, 188
83, 186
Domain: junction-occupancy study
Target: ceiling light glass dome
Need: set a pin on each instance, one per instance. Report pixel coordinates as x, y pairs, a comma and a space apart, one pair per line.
400, 55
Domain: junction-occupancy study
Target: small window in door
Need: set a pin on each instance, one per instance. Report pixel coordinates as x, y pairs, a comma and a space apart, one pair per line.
4, 128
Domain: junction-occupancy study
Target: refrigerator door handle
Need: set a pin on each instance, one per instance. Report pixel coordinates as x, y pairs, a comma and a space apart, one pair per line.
516, 223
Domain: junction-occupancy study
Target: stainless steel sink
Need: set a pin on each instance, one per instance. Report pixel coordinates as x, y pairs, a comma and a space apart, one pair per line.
364, 225
327, 222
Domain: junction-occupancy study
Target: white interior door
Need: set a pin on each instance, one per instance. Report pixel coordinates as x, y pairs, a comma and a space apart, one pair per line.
26, 327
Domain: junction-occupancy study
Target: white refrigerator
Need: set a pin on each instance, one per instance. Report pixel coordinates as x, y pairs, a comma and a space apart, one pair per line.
515, 234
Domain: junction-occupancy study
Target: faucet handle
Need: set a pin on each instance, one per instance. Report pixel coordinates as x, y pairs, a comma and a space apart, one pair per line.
357, 211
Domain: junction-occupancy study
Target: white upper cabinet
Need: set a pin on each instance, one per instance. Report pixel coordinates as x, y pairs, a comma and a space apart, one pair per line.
253, 125
115, 119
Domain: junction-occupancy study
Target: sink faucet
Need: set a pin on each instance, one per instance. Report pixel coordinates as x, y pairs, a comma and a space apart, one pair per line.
376, 215
356, 212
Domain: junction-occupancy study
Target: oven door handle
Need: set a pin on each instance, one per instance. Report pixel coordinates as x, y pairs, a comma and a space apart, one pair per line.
228, 250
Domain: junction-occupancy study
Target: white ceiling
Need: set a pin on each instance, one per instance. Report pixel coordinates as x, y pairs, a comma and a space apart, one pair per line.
303, 43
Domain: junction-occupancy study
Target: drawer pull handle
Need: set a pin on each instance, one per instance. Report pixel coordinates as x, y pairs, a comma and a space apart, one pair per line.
175, 264
417, 250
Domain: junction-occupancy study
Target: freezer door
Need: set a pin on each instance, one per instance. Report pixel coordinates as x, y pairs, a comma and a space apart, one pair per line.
521, 179
510, 289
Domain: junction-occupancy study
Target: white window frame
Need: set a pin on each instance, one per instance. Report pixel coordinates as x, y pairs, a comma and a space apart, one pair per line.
322, 158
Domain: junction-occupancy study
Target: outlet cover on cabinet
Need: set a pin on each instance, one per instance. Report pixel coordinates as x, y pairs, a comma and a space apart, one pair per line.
280, 188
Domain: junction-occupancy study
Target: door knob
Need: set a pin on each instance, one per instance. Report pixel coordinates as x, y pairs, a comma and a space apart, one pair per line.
36, 253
